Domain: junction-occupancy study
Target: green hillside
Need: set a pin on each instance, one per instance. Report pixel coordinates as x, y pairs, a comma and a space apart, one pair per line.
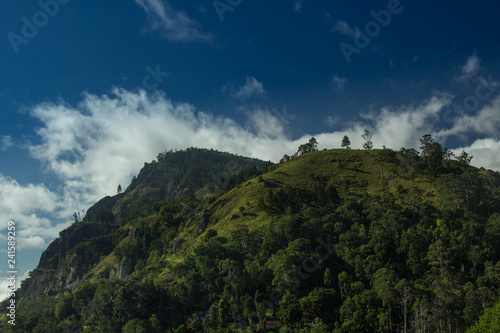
329, 241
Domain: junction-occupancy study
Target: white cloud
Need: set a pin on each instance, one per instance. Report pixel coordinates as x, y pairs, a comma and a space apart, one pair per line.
332, 120
345, 29
251, 88
29, 205
32, 242
485, 152
405, 126
174, 25
18, 199
470, 69
485, 122
105, 140
392, 127
4, 284
339, 82
298, 6
472, 65
6, 142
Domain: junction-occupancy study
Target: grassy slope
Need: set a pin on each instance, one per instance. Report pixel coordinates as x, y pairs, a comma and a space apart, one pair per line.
355, 170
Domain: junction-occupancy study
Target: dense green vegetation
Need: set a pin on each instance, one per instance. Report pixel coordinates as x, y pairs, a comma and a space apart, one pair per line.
327, 241
489, 322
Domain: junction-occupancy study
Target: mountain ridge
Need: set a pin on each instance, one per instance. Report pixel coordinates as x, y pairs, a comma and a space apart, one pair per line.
386, 212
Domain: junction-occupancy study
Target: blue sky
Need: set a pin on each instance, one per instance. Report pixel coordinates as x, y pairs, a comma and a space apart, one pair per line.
90, 90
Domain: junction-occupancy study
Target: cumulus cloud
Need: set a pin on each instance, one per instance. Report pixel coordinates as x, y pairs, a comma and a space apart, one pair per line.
472, 65
332, 120
339, 82
32, 242
404, 126
251, 88
6, 142
104, 141
27, 199
483, 122
485, 152
345, 29
174, 25
470, 69
394, 127
30, 205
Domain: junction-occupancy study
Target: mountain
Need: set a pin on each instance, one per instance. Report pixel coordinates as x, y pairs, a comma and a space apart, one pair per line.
329, 241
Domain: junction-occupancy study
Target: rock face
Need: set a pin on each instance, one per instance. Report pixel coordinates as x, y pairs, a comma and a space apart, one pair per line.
126, 267
203, 223
105, 203
58, 261
177, 242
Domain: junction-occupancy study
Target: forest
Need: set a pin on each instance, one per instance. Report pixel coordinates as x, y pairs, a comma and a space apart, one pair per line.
340, 240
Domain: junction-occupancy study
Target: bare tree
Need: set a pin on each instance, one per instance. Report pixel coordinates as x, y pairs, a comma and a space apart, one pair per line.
367, 136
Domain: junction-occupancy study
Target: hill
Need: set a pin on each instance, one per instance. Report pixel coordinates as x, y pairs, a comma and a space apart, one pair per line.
330, 241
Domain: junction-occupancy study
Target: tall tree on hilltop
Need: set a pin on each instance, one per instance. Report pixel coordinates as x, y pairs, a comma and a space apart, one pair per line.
346, 142
309, 147
432, 153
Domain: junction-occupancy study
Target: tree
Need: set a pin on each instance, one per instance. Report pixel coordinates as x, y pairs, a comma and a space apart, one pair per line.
313, 144
489, 322
464, 158
448, 154
403, 287
289, 310
432, 152
119, 189
383, 284
285, 158
309, 147
345, 142
318, 326
105, 215
136, 326
367, 136
408, 161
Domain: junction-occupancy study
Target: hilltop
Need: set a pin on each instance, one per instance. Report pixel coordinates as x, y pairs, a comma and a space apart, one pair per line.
334, 240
